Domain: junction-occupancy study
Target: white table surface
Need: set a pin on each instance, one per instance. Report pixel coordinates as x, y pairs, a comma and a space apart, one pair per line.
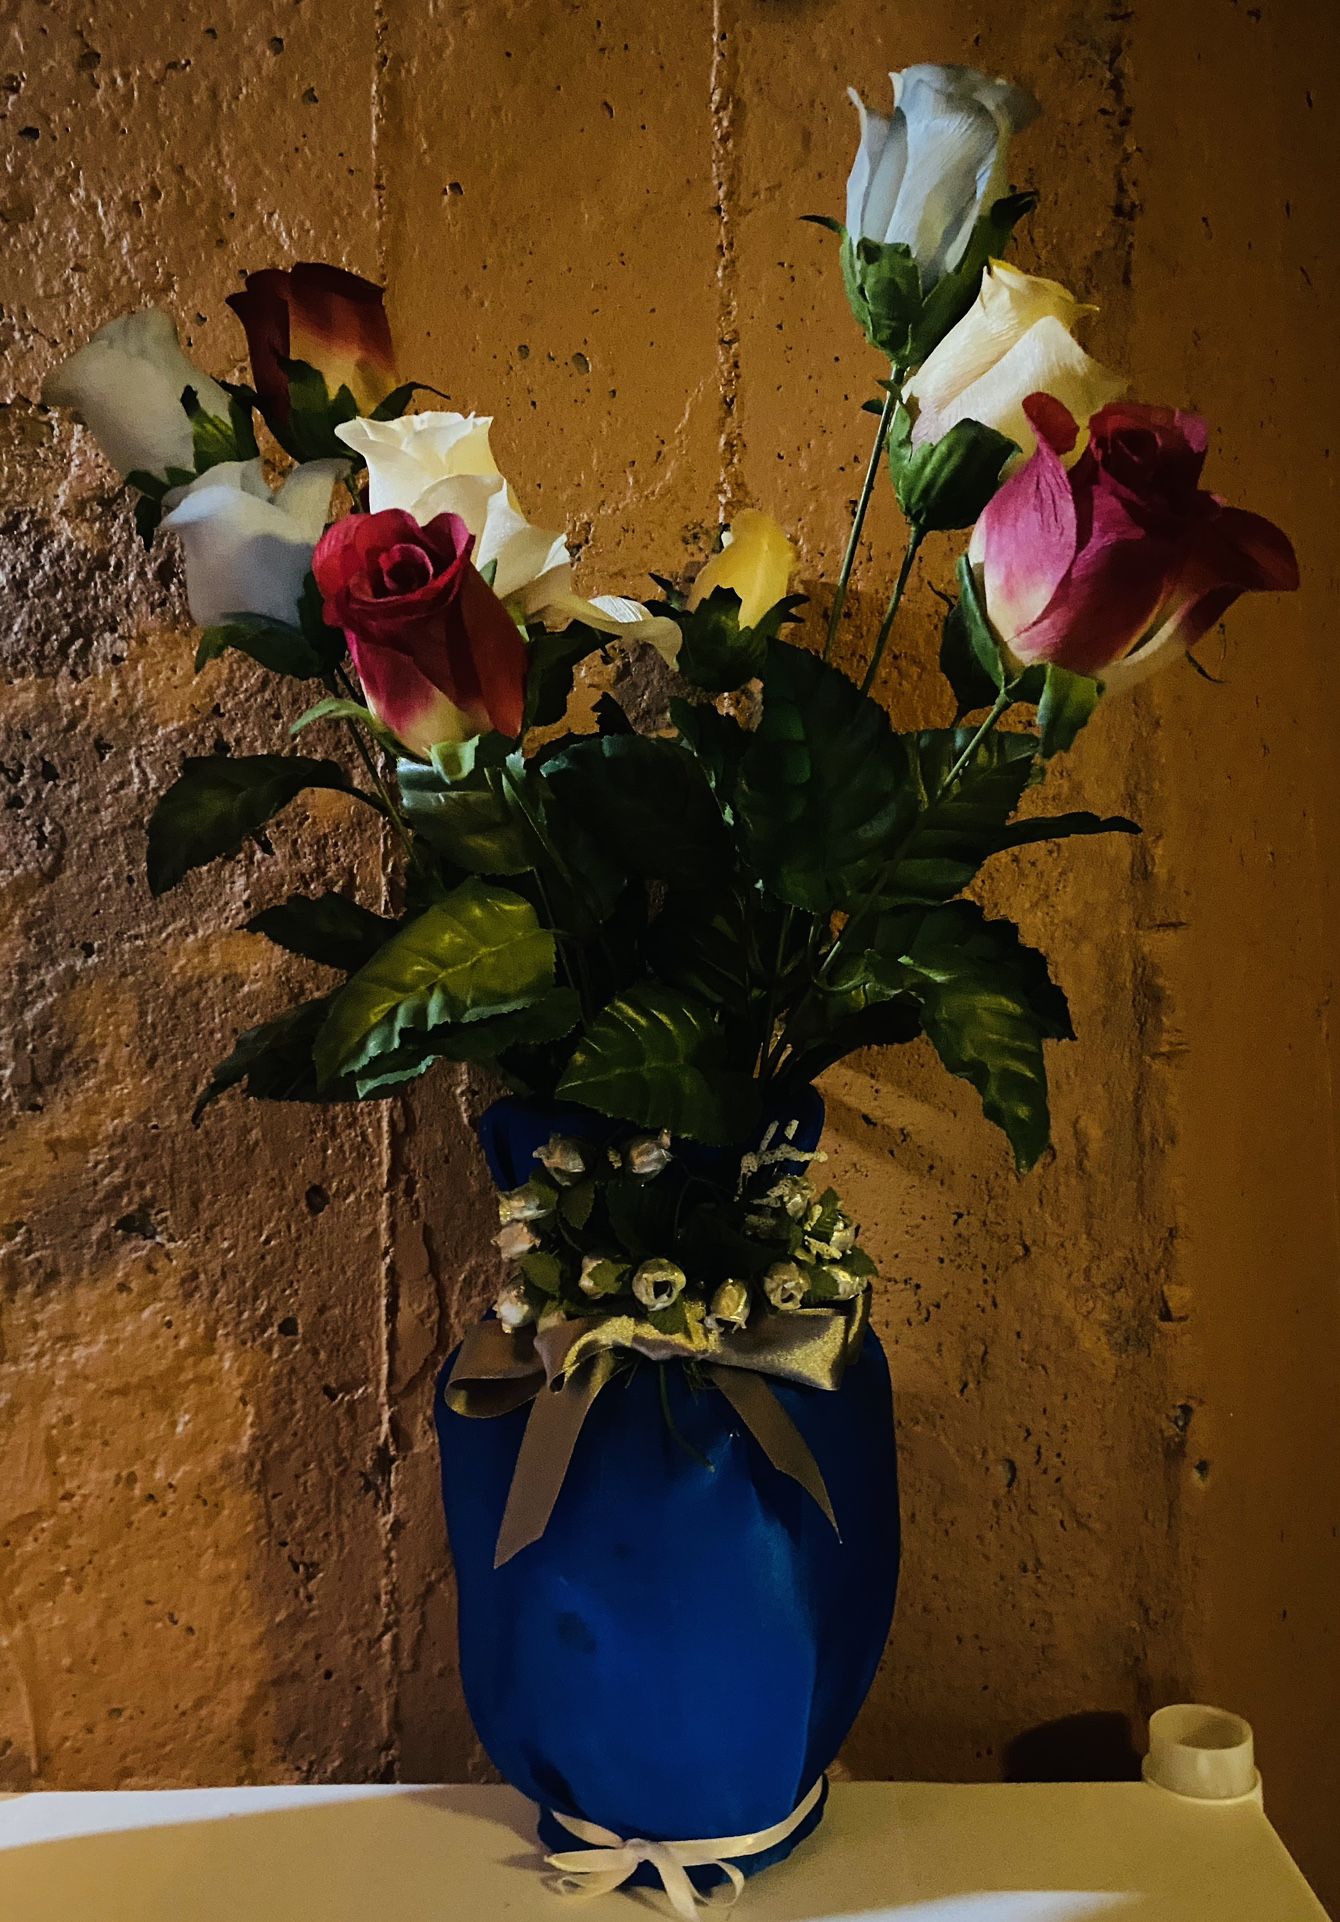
936, 1853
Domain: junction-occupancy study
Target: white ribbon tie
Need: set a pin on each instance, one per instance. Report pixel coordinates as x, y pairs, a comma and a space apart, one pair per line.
611, 1861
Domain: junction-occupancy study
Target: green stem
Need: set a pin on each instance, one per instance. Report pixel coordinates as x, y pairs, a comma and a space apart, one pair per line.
774, 989
340, 680
1002, 701
862, 504
577, 969
914, 540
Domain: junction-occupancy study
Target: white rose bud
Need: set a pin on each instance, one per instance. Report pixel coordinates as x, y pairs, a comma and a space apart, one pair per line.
563, 1158
647, 1155
516, 1239
658, 1284
512, 1308
126, 387
600, 1275
794, 1194
248, 550
530, 1202
730, 1306
785, 1285
846, 1284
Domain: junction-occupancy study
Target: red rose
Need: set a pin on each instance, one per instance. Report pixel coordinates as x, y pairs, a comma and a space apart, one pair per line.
332, 320
1123, 561
439, 656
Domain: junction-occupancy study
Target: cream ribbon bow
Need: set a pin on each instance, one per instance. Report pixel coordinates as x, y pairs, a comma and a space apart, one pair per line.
609, 1864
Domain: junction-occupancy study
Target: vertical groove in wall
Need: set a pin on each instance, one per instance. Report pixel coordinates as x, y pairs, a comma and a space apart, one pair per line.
389, 1133
723, 106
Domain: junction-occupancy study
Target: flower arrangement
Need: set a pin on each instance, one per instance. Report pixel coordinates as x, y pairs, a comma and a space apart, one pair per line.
674, 926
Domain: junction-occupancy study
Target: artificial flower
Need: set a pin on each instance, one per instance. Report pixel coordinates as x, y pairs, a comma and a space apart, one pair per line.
1015, 340
439, 656
441, 463
601, 1276
922, 177
658, 1284
1117, 564
532, 1201
730, 1307
515, 1239
564, 1158
331, 320
647, 1155
755, 562
512, 1308
249, 549
785, 1284
126, 386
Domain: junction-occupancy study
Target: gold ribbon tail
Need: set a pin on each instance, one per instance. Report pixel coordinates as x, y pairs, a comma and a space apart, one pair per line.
554, 1423
776, 1434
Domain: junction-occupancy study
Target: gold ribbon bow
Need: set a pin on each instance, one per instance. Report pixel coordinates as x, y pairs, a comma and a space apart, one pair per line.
562, 1368
607, 1866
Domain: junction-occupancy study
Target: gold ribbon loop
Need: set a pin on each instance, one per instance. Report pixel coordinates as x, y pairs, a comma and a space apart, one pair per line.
562, 1368
607, 1865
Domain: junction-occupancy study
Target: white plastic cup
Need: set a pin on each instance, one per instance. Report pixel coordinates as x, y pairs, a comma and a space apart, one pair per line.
1204, 1754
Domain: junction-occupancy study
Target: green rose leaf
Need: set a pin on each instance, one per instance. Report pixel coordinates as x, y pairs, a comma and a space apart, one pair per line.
218, 800
551, 662
647, 803
471, 819
274, 644
988, 1004
715, 652
955, 831
824, 785
945, 484
335, 708
487, 1040
326, 927
659, 1058
216, 439
716, 742
479, 952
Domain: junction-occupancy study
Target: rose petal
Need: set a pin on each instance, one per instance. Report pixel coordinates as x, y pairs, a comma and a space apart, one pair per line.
406, 457
755, 562
1025, 541
876, 173
406, 700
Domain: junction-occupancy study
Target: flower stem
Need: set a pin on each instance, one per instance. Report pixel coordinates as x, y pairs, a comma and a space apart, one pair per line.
862, 504
914, 540
393, 814
1002, 701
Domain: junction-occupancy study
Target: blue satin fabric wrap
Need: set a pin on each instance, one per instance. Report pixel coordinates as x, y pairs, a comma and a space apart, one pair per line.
684, 1650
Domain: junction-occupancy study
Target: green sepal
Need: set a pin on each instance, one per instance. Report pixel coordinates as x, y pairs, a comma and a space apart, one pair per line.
945, 484
470, 815
1066, 704
215, 439
883, 291
308, 432
218, 800
398, 400
336, 708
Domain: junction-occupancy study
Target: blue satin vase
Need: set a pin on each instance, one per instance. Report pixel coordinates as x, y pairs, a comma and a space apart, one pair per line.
683, 1651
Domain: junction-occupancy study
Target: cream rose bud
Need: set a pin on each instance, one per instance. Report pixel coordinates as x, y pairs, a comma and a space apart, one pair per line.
600, 1275
922, 177
512, 1308
248, 549
126, 387
516, 1239
647, 1155
729, 1307
658, 1284
786, 1285
1015, 340
564, 1158
530, 1202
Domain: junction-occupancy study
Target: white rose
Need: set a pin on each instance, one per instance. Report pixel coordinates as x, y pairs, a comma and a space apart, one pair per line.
126, 387
1015, 340
249, 550
923, 176
441, 463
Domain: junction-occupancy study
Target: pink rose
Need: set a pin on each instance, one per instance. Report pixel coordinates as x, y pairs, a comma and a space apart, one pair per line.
1110, 567
439, 656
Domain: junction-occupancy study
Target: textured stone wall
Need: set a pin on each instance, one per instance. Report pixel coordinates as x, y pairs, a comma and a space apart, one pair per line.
220, 1551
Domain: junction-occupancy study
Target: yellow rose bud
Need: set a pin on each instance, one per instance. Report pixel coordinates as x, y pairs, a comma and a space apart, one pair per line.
755, 562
